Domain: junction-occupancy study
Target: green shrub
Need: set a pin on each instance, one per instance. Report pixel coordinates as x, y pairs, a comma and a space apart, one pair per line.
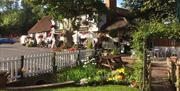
99, 76
137, 73
77, 73
115, 52
89, 44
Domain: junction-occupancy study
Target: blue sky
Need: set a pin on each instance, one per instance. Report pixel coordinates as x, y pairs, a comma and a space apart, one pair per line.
119, 2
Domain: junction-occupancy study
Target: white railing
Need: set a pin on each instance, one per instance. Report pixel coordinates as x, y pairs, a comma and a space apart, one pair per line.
84, 54
66, 59
11, 65
35, 64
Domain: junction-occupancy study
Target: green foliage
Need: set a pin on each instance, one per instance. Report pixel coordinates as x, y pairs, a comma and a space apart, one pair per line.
136, 74
157, 9
6, 5
76, 73
98, 76
152, 30
115, 52
10, 18
90, 72
18, 17
70, 8
89, 44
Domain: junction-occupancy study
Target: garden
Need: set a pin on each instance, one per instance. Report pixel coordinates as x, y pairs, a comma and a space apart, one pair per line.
89, 75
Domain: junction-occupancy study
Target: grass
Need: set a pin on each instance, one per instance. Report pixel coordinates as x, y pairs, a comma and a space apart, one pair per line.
98, 88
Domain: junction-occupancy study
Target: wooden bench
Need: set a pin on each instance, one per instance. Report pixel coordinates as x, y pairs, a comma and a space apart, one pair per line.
111, 61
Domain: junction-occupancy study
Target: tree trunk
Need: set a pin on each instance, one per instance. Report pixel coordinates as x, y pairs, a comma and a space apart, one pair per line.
68, 39
178, 9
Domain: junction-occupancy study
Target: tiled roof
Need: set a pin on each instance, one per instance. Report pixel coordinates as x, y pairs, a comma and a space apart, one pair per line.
42, 25
118, 21
123, 12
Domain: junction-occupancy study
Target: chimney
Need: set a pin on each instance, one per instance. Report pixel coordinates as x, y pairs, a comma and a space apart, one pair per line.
110, 4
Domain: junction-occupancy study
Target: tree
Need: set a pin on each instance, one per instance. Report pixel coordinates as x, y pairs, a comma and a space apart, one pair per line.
148, 9
6, 5
18, 16
9, 16
10, 20
70, 9
29, 15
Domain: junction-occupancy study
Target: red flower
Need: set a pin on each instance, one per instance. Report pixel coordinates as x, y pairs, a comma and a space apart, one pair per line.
72, 49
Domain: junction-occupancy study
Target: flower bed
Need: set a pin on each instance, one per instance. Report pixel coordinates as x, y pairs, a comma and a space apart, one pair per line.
89, 75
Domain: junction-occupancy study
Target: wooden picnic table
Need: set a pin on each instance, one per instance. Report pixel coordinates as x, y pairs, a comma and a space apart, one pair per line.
111, 61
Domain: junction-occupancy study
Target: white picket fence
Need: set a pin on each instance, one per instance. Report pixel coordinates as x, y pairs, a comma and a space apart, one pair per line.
35, 64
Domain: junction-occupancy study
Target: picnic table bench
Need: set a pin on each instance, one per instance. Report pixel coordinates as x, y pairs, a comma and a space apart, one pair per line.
111, 61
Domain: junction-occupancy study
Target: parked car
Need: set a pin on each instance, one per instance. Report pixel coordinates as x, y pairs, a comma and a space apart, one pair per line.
7, 41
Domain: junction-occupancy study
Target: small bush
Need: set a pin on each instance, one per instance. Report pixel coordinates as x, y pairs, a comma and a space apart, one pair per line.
77, 73
136, 76
89, 44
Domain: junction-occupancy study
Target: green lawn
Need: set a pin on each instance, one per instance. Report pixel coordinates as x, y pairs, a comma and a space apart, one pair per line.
98, 88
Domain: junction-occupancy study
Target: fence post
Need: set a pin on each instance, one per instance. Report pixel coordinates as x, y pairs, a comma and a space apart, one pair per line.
173, 69
54, 62
3, 78
177, 77
21, 68
145, 74
149, 71
78, 62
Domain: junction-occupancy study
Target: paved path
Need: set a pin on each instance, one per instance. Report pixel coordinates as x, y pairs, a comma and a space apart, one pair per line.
159, 74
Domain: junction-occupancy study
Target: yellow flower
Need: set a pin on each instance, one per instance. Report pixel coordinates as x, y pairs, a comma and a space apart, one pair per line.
118, 77
121, 70
109, 79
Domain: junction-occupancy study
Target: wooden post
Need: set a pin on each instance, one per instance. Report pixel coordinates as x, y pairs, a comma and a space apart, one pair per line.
150, 77
21, 68
54, 63
144, 65
173, 69
3, 79
169, 67
78, 62
178, 10
149, 71
177, 77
